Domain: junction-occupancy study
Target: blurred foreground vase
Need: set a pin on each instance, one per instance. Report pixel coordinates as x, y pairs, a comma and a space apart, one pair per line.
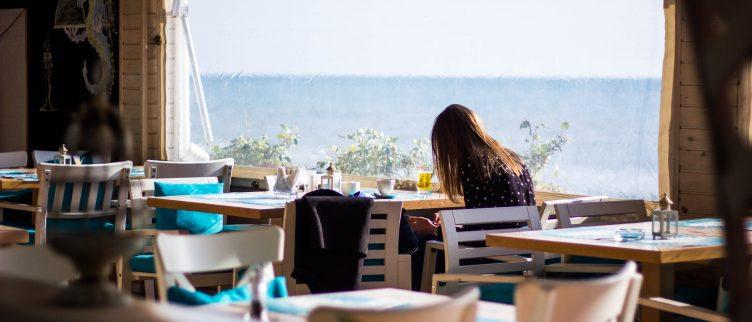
93, 255
665, 220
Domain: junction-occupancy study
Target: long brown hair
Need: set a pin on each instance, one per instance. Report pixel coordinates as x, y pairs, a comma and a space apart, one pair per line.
457, 137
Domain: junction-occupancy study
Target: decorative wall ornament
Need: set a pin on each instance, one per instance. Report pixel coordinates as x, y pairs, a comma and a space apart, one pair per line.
47, 71
94, 23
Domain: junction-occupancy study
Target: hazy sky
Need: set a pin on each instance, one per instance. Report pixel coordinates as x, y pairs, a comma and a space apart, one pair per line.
555, 38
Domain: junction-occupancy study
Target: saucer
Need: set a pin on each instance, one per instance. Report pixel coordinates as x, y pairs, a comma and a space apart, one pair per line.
380, 196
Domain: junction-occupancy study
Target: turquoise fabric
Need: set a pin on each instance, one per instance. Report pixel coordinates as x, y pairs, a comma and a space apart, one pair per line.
57, 225
193, 221
238, 227
498, 293
143, 263
175, 294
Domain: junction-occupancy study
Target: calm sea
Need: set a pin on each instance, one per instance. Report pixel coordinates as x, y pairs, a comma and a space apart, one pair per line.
613, 133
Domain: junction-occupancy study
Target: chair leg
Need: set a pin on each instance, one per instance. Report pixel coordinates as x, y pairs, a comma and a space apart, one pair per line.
40, 225
150, 290
125, 277
429, 265
119, 273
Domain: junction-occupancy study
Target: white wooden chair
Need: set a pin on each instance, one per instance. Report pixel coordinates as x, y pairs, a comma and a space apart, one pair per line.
382, 267
221, 169
505, 260
386, 267
548, 208
177, 255
15, 159
82, 191
611, 298
143, 219
626, 211
38, 263
461, 308
62, 188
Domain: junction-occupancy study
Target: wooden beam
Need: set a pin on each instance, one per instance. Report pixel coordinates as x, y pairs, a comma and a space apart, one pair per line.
668, 159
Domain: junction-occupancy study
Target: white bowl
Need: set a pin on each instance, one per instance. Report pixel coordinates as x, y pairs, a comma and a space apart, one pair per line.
350, 187
385, 186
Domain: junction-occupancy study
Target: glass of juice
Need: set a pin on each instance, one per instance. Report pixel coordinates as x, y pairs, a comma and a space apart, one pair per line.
424, 182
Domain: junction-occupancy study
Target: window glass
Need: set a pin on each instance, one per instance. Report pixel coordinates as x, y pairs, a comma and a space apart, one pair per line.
573, 86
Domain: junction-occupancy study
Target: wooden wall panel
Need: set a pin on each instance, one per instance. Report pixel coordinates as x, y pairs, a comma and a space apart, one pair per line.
141, 75
691, 163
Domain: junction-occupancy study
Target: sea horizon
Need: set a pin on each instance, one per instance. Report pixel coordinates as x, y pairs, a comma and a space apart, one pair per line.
613, 121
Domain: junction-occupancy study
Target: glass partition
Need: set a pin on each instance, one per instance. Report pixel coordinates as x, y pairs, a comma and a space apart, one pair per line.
572, 86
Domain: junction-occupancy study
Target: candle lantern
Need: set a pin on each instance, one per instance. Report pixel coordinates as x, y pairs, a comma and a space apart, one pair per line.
331, 180
665, 220
63, 157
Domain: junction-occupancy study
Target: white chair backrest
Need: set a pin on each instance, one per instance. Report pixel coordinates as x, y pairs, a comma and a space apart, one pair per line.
222, 169
612, 298
38, 263
461, 308
15, 159
507, 260
626, 211
547, 208
381, 266
141, 189
177, 255
82, 191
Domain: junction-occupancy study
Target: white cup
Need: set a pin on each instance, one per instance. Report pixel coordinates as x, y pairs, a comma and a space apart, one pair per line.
350, 187
385, 186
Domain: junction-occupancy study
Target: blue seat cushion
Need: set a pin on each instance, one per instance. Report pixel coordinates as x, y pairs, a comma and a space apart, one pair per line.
175, 294
194, 222
63, 226
497, 293
143, 263
239, 227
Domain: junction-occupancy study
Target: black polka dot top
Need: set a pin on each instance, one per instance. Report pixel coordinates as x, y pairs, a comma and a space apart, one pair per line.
502, 189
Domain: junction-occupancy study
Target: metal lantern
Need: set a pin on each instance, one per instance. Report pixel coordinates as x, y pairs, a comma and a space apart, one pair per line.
331, 180
665, 220
63, 157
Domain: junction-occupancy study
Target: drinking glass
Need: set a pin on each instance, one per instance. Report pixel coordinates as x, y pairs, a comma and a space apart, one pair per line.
424, 182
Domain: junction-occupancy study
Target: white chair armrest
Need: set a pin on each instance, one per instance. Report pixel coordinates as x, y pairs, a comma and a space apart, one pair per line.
435, 244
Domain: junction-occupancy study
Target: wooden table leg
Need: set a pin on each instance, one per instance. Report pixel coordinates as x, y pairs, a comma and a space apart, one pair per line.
34, 202
429, 265
658, 280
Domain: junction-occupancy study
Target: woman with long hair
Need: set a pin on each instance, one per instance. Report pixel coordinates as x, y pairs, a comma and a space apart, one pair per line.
472, 165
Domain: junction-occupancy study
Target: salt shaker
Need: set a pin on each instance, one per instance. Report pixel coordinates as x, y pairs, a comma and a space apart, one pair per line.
258, 286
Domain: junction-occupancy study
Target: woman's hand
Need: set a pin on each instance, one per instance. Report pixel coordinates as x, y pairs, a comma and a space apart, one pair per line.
423, 226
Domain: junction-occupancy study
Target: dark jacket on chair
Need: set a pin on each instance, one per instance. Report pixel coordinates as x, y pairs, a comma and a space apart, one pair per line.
331, 241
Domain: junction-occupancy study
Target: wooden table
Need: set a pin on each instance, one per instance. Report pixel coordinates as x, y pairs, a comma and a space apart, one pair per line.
18, 184
263, 205
11, 235
24, 300
487, 311
700, 239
